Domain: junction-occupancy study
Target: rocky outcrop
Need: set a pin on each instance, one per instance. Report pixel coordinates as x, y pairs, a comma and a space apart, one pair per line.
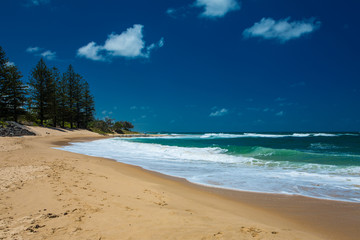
13, 129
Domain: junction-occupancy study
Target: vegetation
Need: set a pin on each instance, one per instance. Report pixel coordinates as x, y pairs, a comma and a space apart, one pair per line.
108, 125
50, 98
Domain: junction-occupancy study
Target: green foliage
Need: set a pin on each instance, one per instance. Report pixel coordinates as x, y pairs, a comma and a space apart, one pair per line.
16, 93
127, 125
51, 99
108, 125
3, 84
3, 124
12, 90
60, 100
102, 126
40, 90
118, 127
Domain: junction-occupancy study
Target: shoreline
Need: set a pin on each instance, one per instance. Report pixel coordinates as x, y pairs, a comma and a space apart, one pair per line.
279, 201
234, 213
219, 185
177, 178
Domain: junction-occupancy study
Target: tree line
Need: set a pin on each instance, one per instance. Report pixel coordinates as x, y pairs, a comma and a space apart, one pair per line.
49, 98
109, 125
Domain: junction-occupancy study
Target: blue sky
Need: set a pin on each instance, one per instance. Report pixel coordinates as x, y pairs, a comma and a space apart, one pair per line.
200, 65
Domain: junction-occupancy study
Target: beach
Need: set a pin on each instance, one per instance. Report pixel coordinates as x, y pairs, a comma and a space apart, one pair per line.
48, 193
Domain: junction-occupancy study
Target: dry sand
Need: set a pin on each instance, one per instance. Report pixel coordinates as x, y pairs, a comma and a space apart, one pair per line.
51, 194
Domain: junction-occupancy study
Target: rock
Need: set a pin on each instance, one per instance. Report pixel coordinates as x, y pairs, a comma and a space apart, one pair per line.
13, 129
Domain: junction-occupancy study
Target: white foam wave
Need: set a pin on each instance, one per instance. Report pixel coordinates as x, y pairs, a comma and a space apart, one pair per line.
326, 135
267, 135
213, 165
249, 135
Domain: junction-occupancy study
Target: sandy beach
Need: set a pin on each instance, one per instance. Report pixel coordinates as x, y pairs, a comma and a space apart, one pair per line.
52, 194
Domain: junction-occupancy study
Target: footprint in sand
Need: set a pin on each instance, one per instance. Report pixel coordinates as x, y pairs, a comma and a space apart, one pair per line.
254, 232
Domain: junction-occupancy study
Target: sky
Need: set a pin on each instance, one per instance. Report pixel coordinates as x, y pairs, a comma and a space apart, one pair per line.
200, 65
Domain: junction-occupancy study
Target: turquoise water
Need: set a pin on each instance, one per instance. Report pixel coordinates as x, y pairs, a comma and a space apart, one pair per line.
321, 165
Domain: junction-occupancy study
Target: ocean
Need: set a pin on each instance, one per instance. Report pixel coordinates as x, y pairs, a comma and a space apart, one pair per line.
319, 165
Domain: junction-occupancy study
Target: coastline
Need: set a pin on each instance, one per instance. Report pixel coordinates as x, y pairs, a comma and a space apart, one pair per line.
128, 201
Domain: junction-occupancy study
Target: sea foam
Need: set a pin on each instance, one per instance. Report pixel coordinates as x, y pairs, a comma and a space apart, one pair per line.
216, 167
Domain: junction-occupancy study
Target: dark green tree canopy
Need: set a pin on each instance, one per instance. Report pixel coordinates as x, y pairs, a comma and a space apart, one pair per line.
50, 98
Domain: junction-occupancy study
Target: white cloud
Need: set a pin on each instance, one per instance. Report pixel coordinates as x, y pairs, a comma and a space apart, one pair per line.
38, 51
279, 114
217, 8
178, 12
33, 49
219, 113
139, 108
91, 51
49, 55
161, 42
170, 11
128, 44
282, 30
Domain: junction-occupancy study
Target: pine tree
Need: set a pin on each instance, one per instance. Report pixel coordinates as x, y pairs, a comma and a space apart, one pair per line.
78, 98
88, 104
39, 94
3, 85
16, 93
53, 95
71, 83
62, 100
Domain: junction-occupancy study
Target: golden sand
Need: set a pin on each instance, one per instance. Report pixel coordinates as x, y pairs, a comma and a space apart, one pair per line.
52, 194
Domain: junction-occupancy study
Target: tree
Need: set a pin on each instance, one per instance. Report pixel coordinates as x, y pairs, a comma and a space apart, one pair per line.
52, 95
88, 105
52, 98
62, 100
3, 85
102, 126
39, 92
16, 93
78, 97
118, 127
127, 125
12, 97
71, 85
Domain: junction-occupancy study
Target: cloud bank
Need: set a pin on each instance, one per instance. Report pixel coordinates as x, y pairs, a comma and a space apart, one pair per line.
282, 30
128, 44
217, 8
38, 51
